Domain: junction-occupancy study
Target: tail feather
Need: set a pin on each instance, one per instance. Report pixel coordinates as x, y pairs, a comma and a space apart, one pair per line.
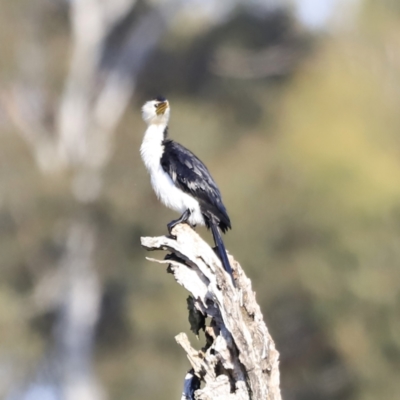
221, 250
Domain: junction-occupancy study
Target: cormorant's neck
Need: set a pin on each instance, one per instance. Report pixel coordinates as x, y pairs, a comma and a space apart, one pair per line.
155, 133
153, 145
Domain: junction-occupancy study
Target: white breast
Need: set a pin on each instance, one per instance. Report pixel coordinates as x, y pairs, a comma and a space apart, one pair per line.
165, 189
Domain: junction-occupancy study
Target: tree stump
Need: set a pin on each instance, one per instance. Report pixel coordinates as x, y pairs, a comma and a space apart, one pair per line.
239, 359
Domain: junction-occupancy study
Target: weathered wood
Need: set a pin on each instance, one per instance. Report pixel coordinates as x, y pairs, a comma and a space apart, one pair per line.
239, 360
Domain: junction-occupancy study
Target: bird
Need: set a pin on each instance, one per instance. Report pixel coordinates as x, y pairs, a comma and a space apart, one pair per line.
180, 180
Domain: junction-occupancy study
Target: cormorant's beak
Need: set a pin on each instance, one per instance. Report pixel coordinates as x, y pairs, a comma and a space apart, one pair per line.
162, 106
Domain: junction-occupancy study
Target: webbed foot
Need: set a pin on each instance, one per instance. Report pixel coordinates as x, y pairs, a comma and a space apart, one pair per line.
183, 218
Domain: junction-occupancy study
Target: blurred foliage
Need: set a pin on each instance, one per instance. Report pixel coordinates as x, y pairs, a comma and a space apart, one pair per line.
308, 164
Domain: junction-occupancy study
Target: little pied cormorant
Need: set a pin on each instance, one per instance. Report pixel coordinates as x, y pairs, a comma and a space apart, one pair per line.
180, 180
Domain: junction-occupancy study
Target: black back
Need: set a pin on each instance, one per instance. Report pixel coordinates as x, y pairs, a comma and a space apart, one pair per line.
191, 176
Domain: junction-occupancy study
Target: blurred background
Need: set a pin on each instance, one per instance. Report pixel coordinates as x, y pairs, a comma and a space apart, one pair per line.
293, 105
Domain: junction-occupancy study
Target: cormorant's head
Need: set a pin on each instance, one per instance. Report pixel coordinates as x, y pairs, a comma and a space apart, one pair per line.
156, 111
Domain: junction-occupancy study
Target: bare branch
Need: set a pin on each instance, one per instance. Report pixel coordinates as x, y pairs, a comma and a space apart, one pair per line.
239, 360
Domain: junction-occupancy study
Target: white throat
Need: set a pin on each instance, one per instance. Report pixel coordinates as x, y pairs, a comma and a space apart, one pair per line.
152, 147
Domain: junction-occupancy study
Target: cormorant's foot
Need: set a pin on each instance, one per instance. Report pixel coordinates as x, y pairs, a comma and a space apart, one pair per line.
171, 235
171, 226
183, 218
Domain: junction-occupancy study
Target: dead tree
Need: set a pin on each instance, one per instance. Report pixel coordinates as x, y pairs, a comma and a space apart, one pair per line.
239, 359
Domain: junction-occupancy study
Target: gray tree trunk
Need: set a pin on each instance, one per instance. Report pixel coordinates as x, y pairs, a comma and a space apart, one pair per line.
239, 360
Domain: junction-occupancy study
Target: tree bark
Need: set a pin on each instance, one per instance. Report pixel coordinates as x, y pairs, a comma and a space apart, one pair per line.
239, 360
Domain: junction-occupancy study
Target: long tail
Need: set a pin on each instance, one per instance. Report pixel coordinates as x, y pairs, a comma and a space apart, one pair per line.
221, 250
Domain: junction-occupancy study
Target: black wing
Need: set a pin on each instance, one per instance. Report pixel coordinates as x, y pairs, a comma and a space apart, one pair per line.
192, 176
